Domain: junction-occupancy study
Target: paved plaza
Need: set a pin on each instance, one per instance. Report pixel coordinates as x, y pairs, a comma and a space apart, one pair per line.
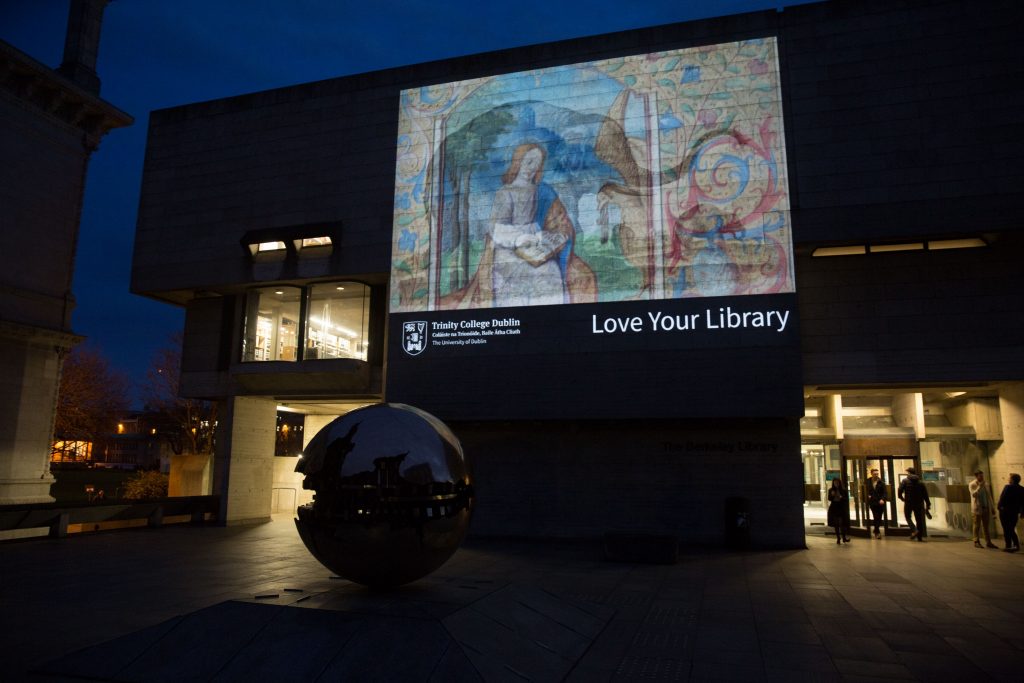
250, 603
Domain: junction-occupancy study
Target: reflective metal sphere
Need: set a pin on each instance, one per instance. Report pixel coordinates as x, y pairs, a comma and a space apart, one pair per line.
393, 495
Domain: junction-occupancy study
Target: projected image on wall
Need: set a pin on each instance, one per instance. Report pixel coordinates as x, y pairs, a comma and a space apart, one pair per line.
658, 176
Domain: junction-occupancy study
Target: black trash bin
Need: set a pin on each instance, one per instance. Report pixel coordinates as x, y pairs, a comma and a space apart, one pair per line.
737, 522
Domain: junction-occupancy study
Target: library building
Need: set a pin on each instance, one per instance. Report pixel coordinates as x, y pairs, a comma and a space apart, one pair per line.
665, 281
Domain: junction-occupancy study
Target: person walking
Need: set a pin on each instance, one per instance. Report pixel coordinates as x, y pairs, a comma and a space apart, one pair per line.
876, 499
981, 509
1011, 508
916, 504
839, 510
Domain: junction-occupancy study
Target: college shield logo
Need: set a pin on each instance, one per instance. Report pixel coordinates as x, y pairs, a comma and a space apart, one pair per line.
414, 337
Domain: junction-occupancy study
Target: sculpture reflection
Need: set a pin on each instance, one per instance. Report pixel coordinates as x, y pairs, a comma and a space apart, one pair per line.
392, 495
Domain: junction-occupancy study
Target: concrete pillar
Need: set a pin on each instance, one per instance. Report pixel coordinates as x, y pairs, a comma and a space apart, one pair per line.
1008, 455
908, 411
244, 465
30, 363
832, 414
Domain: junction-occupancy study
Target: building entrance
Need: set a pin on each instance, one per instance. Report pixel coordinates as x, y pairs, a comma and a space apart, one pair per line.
891, 470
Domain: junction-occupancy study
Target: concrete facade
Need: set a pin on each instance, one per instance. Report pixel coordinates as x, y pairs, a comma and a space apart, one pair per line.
246, 480
896, 151
53, 121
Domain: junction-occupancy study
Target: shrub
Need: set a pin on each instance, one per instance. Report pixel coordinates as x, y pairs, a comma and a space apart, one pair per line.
149, 484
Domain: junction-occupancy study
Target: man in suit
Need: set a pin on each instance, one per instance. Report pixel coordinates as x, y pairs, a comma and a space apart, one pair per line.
876, 499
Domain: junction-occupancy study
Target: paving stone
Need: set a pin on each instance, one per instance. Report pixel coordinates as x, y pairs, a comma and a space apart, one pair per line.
543, 611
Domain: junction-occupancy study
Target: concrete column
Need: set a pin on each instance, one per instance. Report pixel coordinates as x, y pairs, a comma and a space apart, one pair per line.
908, 411
832, 414
30, 363
1007, 456
244, 466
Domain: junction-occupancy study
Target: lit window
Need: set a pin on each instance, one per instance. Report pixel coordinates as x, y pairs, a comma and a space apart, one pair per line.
969, 243
840, 251
271, 324
314, 247
910, 246
266, 247
338, 320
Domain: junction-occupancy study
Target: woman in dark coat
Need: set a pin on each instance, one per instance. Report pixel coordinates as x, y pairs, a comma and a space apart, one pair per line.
839, 511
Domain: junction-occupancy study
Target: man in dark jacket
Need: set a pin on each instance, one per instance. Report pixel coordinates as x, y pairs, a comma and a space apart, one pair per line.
876, 499
1011, 507
916, 502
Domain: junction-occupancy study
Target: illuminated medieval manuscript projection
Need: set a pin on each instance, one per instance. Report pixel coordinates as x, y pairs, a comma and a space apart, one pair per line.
658, 176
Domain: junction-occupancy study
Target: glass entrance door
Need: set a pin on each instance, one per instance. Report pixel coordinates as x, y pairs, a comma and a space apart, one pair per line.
891, 470
855, 477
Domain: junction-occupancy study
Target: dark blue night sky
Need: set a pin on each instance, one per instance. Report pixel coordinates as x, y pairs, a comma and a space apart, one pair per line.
162, 54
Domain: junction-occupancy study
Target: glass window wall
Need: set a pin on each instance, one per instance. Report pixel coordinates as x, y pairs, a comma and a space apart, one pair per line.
272, 324
337, 321
335, 325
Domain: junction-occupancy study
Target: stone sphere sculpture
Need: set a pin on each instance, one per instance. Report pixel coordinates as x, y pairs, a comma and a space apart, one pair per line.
392, 495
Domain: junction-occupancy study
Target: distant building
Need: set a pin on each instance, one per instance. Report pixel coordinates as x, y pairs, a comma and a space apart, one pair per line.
139, 443
52, 120
141, 440
669, 280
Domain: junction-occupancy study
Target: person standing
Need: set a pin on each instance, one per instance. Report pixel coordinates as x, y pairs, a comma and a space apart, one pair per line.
981, 509
1011, 507
839, 510
916, 503
876, 499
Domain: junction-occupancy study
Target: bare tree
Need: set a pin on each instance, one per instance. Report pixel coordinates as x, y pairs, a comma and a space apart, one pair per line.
91, 395
188, 423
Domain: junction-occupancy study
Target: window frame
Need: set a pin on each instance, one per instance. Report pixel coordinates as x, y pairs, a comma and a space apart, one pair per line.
251, 305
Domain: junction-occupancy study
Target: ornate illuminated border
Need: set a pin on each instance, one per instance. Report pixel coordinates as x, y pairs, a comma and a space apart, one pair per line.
662, 176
